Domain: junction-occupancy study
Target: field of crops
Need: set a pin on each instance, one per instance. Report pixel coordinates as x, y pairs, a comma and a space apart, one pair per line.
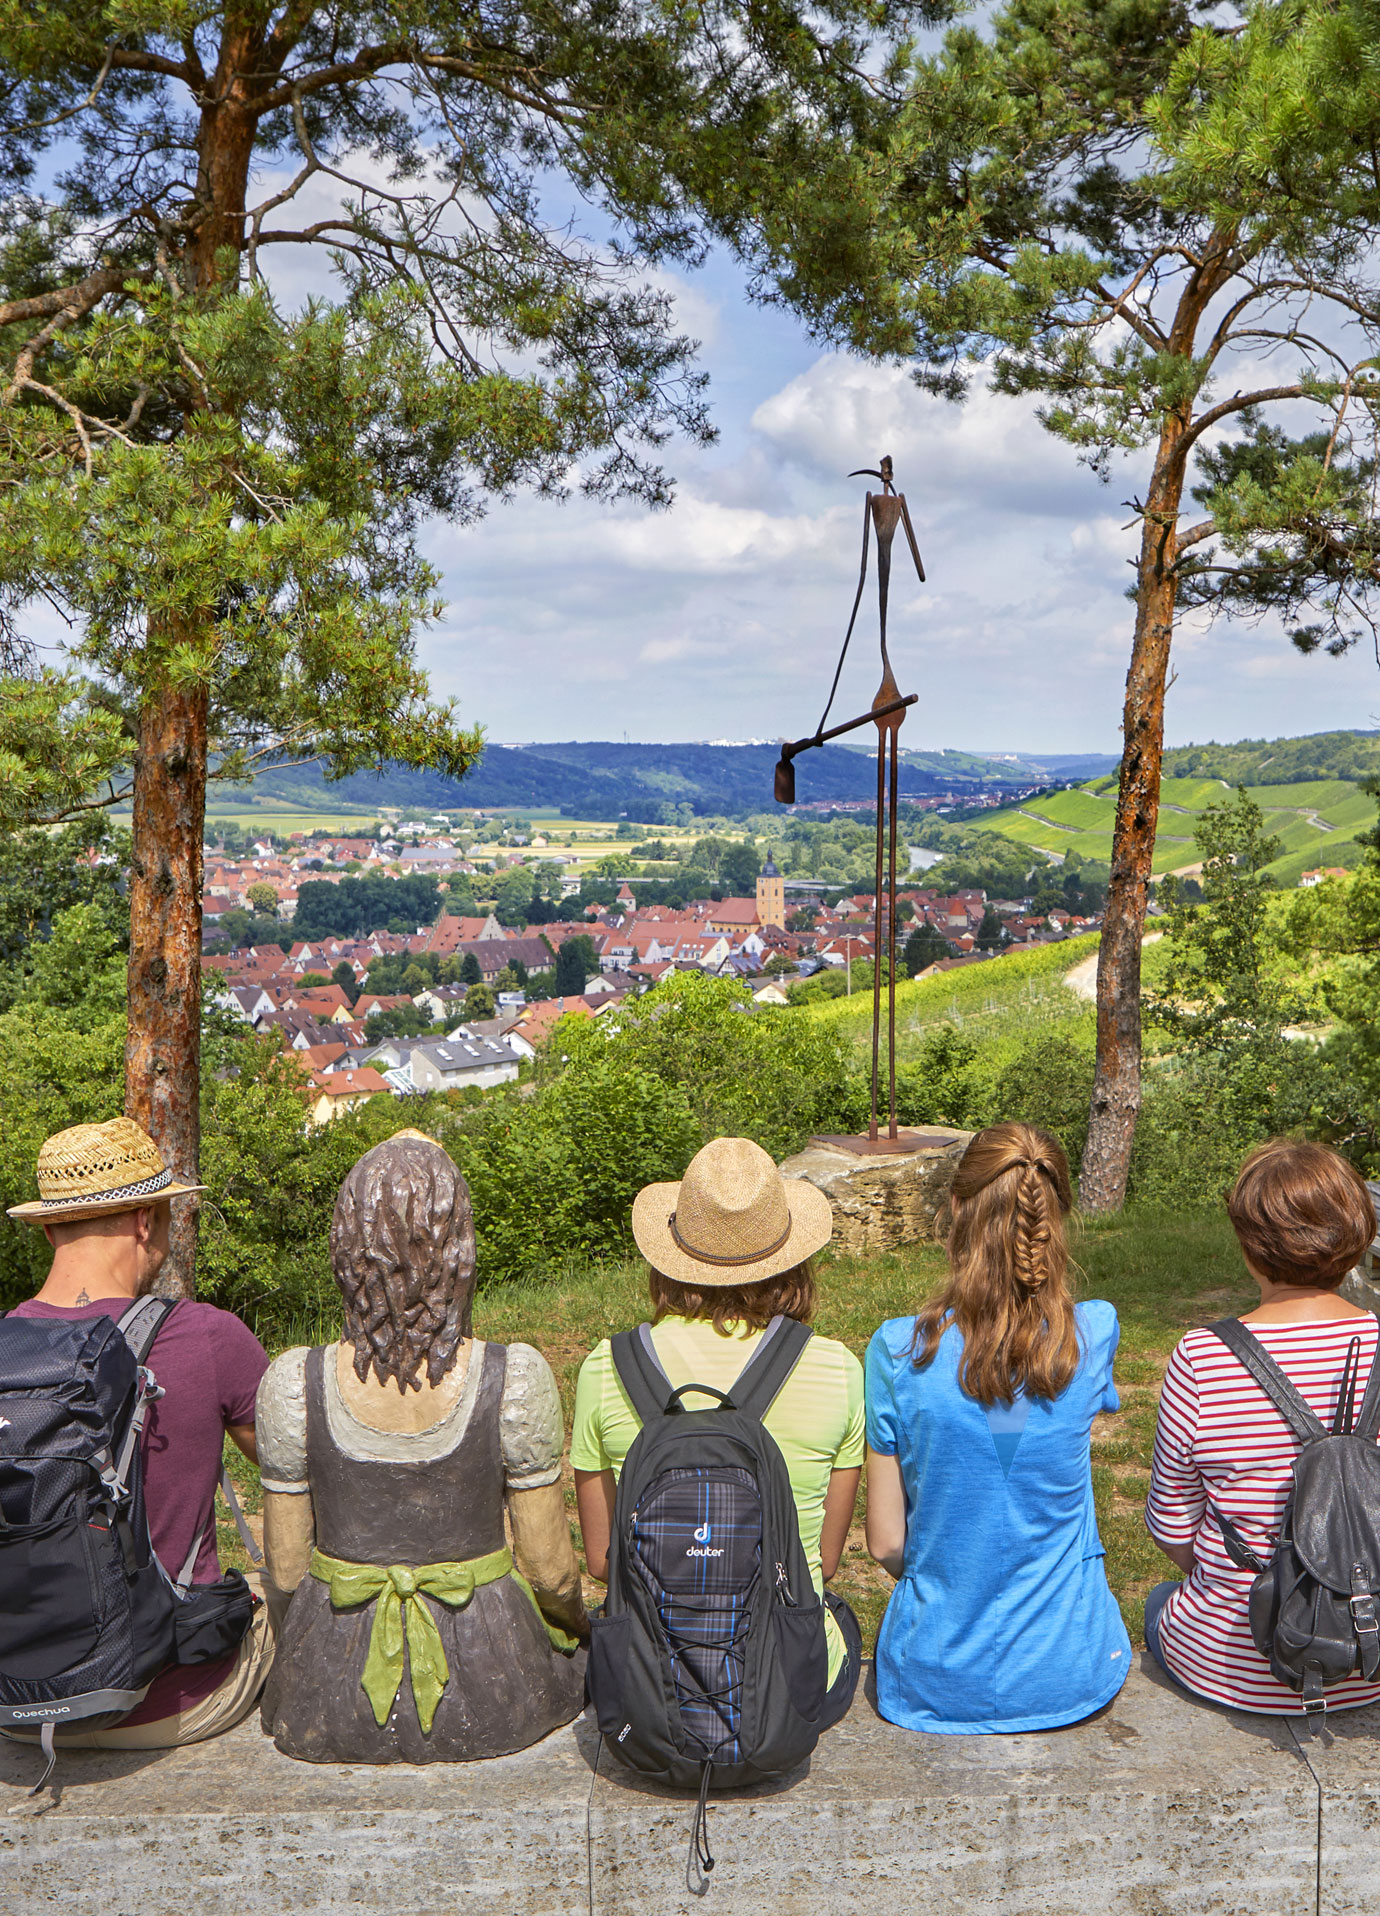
1316, 822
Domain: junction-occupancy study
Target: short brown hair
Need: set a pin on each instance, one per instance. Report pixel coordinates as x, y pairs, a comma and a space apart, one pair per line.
789, 1294
1302, 1214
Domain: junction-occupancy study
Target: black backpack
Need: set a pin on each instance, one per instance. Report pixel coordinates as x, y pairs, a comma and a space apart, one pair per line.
88, 1615
709, 1663
1313, 1605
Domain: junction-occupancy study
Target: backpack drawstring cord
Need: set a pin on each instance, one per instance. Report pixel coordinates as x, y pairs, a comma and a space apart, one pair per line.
700, 1861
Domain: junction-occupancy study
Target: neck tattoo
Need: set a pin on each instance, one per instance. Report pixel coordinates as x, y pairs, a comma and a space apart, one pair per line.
82, 1298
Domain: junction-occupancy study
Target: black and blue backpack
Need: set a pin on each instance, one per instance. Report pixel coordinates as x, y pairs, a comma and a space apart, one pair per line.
709, 1664
88, 1615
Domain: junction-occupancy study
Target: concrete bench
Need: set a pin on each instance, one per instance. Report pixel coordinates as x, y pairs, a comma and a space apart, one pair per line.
1154, 1807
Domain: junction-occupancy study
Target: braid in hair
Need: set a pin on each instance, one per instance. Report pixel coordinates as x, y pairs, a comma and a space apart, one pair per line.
1034, 1228
1008, 1293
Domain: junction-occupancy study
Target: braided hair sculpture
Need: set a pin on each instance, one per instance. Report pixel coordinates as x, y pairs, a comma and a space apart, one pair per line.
402, 1250
1008, 1291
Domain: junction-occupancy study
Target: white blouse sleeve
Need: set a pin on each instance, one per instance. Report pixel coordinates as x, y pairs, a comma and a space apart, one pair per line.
530, 1422
280, 1424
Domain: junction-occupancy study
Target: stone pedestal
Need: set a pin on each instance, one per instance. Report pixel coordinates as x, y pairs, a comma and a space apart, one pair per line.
881, 1203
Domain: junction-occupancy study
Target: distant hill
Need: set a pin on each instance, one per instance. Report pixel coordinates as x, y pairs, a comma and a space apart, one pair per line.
1279, 761
1315, 819
606, 779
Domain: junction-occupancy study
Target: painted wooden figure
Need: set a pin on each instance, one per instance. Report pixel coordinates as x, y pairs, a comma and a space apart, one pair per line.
387, 1459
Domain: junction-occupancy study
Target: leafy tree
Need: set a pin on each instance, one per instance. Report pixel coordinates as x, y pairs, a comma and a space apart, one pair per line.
352, 907
616, 865
414, 979
778, 964
264, 898
470, 973
513, 896
45, 873
1222, 990
1160, 228
775, 1079
738, 868
575, 961
310, 980
460, 894
224, 496
991, 933
479, 1002
924, 947
398, 1021
344, 976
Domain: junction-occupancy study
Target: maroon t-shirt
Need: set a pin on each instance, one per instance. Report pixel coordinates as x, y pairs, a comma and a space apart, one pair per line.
209, 1365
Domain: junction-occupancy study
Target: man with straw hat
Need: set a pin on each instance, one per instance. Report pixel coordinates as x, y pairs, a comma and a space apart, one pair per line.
105, 1206
729, 1247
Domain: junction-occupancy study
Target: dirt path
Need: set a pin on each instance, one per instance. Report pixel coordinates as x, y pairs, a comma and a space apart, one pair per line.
1082, 977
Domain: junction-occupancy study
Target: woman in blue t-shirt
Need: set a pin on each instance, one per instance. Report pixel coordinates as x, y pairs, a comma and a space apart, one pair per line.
979, 1479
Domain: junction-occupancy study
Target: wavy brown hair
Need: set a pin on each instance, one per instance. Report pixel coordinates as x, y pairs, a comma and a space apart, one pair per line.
402, 1249
789, 1294
1008, 1291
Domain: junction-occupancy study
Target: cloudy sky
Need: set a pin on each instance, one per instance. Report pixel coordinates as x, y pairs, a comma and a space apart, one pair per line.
722, 617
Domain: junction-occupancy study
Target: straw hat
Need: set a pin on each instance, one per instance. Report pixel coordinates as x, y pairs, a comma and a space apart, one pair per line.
94, 1170
733, 1219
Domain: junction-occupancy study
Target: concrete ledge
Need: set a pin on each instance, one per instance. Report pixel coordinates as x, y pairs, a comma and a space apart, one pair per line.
1154, 1806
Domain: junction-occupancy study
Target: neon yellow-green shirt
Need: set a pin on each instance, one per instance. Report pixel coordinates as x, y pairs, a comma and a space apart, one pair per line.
817, 1419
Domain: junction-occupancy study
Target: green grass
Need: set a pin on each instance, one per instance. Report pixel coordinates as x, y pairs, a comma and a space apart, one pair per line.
1022, 985
1164, 1272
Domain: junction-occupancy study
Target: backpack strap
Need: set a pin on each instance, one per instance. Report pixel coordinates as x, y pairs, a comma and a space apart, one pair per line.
1368, 1416
763, 1377
1271, 1379
141, 1323
754, 1390
640, 1373
139, 1326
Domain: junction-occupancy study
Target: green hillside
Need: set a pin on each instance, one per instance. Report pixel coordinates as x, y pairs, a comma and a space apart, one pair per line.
1316, 821
1281, 761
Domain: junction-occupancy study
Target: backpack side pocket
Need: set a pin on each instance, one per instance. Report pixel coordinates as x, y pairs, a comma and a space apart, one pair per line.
608, 1659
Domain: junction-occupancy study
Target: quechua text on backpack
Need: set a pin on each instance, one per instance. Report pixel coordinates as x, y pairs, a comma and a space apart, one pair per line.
1315, 1604
88, 1615
709, 1664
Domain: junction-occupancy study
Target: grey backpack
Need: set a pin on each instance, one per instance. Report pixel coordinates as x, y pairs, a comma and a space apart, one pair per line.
1313, 1605
709, 1663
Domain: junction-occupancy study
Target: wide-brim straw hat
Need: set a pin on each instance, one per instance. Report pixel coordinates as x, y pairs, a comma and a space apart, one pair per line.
94, 1170
733, 1219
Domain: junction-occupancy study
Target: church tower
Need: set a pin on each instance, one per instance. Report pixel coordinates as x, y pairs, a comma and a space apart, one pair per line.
771, 895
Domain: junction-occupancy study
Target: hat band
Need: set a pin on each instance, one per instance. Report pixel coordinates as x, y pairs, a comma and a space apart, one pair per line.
146, 1187
708, 1257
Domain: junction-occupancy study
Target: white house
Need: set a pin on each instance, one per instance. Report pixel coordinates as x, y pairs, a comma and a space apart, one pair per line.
453, 1063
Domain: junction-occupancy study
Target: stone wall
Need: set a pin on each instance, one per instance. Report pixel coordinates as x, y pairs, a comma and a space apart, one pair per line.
1154, 1807
883, 1203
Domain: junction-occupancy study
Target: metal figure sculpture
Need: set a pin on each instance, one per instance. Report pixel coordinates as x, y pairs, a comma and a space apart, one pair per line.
883, 512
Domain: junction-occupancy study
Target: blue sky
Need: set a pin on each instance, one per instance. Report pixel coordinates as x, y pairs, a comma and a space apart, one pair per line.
722, 617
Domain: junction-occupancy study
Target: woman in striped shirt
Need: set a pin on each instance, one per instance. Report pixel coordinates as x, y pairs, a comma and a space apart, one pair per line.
1303, 1217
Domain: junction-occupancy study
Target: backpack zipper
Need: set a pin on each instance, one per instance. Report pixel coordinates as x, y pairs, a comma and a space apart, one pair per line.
783, 1588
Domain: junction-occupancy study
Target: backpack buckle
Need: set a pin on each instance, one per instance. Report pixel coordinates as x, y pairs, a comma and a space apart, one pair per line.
1362, 1604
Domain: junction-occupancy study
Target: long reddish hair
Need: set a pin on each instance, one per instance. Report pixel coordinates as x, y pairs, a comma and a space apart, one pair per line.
1008, 1290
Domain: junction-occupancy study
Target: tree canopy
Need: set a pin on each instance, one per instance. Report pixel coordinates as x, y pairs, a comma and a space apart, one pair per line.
1082, 226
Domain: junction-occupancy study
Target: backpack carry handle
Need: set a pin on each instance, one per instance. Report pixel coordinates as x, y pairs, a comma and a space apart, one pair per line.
673, 1402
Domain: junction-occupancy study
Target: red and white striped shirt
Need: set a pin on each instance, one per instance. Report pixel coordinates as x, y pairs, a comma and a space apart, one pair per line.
1220, 1440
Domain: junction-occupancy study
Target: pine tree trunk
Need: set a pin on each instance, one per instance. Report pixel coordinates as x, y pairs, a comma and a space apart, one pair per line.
1116, 1082
163, 1048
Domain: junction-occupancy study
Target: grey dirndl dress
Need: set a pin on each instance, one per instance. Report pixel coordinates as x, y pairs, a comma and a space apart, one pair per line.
508, 1685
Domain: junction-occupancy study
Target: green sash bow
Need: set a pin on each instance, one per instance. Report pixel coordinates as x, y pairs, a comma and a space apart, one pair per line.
398, 1592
